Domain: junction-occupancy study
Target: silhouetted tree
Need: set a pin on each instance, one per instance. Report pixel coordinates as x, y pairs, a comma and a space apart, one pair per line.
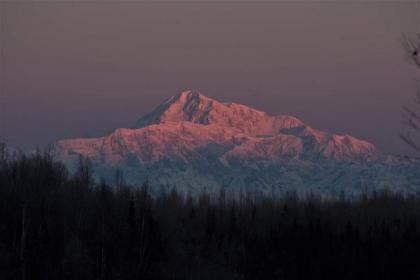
56, 226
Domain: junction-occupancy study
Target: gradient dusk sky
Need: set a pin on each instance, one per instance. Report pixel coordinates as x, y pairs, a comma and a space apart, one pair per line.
71, 68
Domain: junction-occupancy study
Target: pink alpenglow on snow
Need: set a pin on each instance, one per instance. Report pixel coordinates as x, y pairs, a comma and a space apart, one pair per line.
197, 143
190, 121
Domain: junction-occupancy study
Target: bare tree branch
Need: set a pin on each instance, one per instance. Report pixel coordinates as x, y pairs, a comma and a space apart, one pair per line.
412, 49
408, 139
411, 115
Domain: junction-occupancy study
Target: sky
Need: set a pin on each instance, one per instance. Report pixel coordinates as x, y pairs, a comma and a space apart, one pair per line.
70, 69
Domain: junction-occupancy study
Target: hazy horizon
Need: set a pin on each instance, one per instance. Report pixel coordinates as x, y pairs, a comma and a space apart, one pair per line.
68, 69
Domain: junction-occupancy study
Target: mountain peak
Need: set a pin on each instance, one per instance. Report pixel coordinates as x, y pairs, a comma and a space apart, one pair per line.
190, 102
186, 98
193, 106
189, 105
190, 94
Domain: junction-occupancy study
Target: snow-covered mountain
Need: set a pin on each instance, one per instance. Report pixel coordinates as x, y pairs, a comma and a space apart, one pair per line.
194, 142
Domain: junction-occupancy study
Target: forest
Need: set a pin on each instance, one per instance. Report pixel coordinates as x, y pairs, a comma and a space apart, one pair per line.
60, 225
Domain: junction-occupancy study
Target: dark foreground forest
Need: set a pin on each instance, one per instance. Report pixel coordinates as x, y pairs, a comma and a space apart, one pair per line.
59, 226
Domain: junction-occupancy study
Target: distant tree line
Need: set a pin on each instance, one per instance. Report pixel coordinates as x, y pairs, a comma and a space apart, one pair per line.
56, 225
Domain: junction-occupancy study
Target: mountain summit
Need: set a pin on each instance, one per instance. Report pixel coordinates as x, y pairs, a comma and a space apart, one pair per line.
197, 142
193, 106
186, 106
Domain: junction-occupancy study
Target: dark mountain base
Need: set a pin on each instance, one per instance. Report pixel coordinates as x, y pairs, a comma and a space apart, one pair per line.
53, 226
